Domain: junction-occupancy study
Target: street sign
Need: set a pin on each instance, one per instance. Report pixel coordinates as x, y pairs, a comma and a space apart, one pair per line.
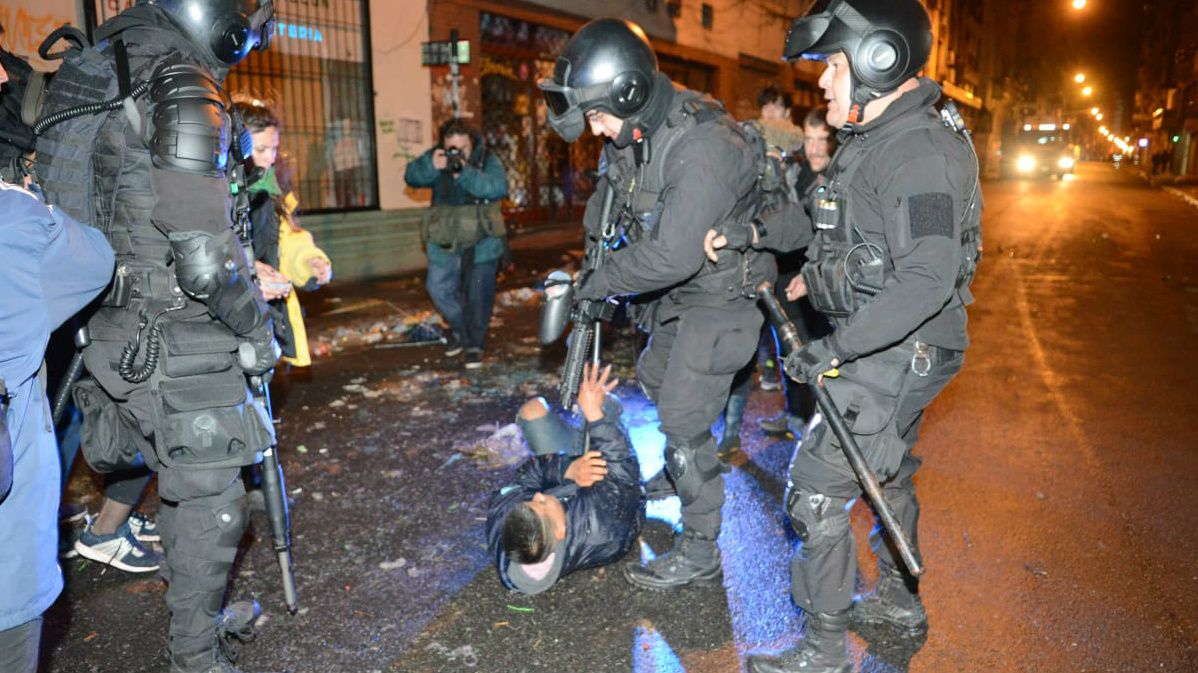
439, 53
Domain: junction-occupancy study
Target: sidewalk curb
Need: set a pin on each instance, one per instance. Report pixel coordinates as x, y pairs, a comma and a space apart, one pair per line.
1182, 195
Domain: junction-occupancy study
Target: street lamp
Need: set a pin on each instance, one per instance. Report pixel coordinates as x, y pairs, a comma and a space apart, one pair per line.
1087, 90
1093, 110
1079, 77
1079, 4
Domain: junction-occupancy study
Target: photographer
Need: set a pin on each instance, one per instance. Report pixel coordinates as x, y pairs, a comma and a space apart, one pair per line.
464, 233
53, 267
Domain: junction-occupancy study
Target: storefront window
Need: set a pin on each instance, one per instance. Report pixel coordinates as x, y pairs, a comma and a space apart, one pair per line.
547, 178
316, 76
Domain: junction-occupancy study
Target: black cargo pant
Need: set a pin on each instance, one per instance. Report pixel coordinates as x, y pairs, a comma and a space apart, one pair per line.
203, 512
883, 398
686, 370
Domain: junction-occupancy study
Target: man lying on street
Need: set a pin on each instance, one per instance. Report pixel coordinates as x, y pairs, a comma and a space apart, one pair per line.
566, 510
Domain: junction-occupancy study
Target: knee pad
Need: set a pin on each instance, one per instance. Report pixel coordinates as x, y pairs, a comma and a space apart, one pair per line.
690, 466
819, 520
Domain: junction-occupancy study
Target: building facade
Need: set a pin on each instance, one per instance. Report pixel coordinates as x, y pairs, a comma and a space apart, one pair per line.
357, 104
1165, 118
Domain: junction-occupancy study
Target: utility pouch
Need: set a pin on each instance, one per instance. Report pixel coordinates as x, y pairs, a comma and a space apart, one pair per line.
839, 284
453, 227
827, 214
208, 422
827, 288
120, 290
868, 392
491, 217
197, 348
110, 442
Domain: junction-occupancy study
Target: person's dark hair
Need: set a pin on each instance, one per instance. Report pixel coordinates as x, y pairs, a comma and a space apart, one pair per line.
772, 94
459, 127
524, 535
816, 117
257, 117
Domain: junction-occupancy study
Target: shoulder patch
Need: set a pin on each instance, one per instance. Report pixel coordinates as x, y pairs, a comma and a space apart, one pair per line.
930, 215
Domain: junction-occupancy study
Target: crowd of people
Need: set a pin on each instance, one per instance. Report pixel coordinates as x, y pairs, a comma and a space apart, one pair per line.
881, 237
181, 234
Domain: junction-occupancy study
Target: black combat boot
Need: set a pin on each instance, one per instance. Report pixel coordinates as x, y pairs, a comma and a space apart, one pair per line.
234, 624
695, 559
211, 661
894, 602
823, 650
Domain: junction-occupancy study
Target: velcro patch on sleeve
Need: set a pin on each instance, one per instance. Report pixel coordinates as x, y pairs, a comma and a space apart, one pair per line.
931, 215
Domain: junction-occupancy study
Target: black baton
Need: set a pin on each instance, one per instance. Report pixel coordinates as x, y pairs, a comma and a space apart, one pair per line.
274, 492
789, 336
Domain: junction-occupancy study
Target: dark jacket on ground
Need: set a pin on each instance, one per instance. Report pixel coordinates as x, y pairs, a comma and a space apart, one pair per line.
602, 521
923, 253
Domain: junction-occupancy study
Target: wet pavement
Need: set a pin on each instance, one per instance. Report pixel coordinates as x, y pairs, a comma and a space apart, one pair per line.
1058, 519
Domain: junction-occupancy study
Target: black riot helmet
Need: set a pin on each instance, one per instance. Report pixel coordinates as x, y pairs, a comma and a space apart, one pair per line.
886, 41
607, 65
228, 29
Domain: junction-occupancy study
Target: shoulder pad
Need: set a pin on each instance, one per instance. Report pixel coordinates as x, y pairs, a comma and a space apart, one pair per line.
190, 126
180, 80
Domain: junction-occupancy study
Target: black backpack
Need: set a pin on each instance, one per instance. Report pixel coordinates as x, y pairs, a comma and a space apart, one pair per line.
86, 89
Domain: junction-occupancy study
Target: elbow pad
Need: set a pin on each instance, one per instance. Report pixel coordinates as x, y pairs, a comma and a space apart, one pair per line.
189, 126
212, 269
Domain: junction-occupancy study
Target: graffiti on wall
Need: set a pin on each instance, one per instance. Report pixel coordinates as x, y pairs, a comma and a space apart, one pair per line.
26, 24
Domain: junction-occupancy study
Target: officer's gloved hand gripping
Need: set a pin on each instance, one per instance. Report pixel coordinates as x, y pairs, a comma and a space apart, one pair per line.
815, 358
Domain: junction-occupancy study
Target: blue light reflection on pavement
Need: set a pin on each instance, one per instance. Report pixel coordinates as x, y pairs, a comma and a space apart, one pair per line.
754, 543
652, 654
756, 549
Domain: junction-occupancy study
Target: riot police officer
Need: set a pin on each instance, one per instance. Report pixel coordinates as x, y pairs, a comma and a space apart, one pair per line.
183, 322
679, 166
893, 248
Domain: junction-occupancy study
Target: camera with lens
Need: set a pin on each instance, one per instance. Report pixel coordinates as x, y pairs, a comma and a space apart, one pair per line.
456, 158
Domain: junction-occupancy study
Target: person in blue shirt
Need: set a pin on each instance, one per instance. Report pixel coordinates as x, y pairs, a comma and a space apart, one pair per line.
53, 266
464, 233
566, 510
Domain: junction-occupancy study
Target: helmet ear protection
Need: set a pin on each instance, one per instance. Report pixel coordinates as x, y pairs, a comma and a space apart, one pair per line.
886, 41
228, 29
881, 59
629, 92
231, 37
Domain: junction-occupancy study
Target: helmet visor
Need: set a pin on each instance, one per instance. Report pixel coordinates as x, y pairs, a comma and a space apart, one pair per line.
561, 97
822, 30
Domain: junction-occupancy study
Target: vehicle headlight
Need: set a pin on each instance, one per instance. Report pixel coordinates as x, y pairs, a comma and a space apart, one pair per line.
1065, 162
1026, 163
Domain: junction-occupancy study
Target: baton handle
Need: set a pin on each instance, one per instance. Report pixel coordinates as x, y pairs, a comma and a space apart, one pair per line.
788, 334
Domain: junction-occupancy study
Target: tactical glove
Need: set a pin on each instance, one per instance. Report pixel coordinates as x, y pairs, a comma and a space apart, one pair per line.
739, 236
584, 288
258, 352
806, 364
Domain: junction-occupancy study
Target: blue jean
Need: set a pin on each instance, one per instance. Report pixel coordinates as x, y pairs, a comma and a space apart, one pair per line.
464, 292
